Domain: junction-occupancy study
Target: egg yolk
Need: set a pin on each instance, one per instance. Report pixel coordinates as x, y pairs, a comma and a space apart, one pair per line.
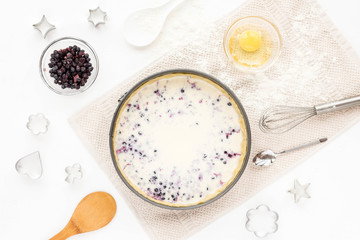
250, 40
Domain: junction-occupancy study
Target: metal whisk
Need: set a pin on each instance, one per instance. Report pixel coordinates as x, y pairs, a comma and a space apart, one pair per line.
280, 119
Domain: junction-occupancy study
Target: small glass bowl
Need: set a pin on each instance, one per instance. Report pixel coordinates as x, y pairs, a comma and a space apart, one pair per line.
63, 43
258, 24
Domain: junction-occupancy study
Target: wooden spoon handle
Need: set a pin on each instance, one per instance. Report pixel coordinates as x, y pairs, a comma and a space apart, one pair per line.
67, 232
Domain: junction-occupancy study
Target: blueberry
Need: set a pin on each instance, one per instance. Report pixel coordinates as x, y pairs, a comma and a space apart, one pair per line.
70, 67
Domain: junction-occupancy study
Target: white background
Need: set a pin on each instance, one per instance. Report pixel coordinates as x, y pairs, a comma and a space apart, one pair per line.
39, 209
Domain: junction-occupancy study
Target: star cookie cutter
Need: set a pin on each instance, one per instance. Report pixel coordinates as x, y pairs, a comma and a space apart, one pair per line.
262, 221
97, 16
44, 26
300, 191
73, 172
38, 124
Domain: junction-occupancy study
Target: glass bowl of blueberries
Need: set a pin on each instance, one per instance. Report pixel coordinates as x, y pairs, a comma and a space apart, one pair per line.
69, 66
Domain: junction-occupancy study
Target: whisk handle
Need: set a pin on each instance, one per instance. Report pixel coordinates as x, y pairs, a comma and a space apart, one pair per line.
337, 105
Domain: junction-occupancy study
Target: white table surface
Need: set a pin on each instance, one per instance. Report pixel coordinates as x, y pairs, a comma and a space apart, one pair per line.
39, 209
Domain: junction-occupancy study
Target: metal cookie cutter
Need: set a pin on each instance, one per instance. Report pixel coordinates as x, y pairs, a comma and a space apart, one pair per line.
97, 16
38, 124
262, 221
73, 172
44, 26
30, 165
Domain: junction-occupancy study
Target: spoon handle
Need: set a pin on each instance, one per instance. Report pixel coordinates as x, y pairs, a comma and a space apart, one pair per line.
317, 141
67, 232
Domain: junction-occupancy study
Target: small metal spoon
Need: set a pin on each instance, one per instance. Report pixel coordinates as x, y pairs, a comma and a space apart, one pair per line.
267, 157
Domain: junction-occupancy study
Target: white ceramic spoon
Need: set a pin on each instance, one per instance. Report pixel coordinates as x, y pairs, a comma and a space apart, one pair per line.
142, 27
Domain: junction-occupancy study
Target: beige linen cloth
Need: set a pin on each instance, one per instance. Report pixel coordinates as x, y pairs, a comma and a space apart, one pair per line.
316, 65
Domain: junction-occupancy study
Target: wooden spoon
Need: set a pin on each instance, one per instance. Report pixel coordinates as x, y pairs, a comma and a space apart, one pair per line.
93, 212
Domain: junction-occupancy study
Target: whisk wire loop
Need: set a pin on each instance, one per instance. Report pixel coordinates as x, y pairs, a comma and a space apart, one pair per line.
280, 119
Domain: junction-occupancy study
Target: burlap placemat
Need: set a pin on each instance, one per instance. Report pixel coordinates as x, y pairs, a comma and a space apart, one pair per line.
316, 65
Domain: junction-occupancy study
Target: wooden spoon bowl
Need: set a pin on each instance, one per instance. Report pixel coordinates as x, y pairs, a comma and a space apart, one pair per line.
93, 212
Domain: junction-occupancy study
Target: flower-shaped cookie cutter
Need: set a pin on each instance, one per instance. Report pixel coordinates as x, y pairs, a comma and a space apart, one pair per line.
262, 221
38, 124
